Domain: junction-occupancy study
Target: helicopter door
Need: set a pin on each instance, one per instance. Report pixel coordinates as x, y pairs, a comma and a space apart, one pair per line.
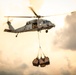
34, 25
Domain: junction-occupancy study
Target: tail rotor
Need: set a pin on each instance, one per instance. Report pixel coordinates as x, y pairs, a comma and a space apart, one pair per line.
8, 21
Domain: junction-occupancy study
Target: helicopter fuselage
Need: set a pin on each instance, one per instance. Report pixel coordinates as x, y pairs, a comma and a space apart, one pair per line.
32, 25
39, 24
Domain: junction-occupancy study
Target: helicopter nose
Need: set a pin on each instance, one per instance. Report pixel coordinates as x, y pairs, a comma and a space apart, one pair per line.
53, 25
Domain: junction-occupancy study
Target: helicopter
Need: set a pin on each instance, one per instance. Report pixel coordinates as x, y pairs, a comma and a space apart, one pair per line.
36, 24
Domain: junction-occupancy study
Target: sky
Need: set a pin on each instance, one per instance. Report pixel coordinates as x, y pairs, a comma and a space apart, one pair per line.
59, 44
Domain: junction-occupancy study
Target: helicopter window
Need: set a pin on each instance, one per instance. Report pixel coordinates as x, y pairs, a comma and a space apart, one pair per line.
34, 26
35, 23
27, 23
45, 21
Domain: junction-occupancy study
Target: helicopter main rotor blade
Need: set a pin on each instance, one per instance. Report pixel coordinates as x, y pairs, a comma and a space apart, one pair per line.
56, 14
37, 16
33, 11
21, 16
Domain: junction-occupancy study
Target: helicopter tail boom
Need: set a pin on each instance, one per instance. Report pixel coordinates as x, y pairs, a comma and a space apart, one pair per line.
7, 30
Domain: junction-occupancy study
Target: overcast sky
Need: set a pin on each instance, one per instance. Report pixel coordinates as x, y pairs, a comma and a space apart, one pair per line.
59, 44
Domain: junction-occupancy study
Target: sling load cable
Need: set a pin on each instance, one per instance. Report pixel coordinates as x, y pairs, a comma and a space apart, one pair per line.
43, 60
40, 49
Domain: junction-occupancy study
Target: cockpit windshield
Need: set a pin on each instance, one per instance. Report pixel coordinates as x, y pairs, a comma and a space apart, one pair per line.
45, 21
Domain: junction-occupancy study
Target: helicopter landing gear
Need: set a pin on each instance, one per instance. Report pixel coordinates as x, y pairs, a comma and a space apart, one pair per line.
46, 31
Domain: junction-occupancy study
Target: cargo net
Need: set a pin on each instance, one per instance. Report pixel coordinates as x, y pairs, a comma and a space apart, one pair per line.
41, 60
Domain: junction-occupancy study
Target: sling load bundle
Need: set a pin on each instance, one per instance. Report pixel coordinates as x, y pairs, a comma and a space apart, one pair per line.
41, 60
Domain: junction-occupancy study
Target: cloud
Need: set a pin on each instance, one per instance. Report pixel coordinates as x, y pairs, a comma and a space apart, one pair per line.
74, 71
36, 4
23, 66
68, 71
65, 72
37, 73
66, 37
10, 73
7, 68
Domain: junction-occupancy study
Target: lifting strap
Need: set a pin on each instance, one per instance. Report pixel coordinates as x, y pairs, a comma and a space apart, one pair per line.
40, 52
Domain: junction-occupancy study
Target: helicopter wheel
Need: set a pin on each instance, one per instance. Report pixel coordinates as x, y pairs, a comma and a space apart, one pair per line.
46, 31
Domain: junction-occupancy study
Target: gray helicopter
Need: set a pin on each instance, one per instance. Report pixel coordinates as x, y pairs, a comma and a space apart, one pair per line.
36, 24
